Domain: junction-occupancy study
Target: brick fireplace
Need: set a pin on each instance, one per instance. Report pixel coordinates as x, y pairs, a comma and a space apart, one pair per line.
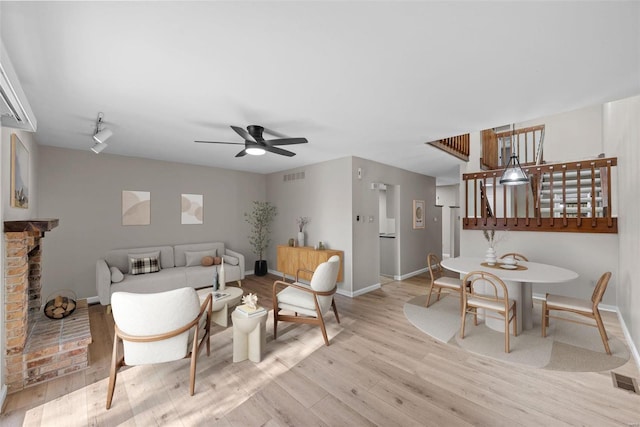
38, 349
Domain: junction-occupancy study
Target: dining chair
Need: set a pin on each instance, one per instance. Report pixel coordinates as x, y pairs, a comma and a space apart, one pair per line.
439, 280
157, 328
587, 308
311, 301
516, 255
492, 296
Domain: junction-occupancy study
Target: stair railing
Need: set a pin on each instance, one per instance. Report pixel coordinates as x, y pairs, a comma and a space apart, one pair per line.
579, 199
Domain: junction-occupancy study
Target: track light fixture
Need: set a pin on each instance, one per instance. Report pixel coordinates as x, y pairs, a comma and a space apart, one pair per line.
100, 135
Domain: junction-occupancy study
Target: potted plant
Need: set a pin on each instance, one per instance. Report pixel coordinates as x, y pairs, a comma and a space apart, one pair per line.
260, 219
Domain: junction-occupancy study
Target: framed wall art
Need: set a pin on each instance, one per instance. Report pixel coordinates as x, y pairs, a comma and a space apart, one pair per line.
418, 214
19, 173
136, 207
192, 208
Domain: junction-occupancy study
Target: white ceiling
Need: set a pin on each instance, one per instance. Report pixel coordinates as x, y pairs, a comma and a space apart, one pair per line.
368, 79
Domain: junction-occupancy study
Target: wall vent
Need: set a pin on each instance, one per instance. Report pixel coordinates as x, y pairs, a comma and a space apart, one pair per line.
294, 176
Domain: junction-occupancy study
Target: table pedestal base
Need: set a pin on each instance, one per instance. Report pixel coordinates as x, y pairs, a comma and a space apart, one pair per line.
522, 294
249, 336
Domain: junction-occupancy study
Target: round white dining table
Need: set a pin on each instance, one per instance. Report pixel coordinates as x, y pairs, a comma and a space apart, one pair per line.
518, 283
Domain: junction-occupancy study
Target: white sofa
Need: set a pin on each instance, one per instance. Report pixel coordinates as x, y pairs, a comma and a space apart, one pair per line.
174, 272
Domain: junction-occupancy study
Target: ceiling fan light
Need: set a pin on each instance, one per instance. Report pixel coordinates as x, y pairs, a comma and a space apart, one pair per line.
255, 151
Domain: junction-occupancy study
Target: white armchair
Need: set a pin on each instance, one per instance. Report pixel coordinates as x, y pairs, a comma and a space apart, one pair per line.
311, 301
157, 328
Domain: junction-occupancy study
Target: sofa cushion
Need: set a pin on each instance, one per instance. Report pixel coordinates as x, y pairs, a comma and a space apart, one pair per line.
199, 276
181, 258
144, 265
164, 280
231, 260
116, 275
120, 257
194, 258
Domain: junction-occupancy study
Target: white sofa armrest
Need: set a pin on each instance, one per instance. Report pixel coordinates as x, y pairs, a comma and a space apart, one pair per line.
103, 282
240, 260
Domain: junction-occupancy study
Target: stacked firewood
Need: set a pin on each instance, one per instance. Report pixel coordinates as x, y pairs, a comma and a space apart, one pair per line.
59, 307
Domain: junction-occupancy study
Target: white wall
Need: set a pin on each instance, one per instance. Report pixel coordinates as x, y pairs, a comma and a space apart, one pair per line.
569, 136
622, 135
447, 196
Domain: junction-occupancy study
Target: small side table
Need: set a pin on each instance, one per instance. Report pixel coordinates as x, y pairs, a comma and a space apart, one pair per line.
220, 308
249, 336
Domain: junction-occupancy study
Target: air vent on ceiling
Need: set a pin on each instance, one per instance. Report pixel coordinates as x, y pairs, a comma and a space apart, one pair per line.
14, 108
294, 176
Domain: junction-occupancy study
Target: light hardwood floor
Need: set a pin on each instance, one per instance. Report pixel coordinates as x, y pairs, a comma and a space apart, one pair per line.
379, 370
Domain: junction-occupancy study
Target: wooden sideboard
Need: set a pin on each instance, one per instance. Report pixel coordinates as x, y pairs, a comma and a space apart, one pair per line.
290, 259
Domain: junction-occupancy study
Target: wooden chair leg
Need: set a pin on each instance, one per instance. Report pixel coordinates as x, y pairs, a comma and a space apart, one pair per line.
439, 290
515, 320
545, 318
275, 323
429, 296
335, 310
603, 332
506, 332
464, 316
113, 372
324, 330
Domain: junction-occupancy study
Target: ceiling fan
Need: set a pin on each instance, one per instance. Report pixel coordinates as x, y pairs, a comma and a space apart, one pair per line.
255, 144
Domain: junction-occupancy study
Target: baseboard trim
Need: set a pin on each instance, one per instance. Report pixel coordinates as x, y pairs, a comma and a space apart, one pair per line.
630, 343
413, 273
3, 396
93, 300
359, 291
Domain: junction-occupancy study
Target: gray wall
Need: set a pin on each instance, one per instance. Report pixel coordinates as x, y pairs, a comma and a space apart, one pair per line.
84, 191
621, 135
324, 195
413, 245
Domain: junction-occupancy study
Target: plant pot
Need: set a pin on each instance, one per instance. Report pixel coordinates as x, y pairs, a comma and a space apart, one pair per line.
260, 268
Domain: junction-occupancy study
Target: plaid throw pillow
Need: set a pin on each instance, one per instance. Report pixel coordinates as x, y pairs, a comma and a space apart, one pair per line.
144, 265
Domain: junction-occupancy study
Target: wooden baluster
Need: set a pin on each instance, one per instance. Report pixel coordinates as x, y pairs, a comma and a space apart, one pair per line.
526, 200
526, 148
608, 175
551, 196
475, 198
504, 204
594, 220
485, 200
564, 195
538, 210
515, 204
495, 217
466, 202
579, 221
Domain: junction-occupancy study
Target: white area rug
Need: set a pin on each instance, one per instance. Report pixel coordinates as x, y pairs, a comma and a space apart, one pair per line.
567, 347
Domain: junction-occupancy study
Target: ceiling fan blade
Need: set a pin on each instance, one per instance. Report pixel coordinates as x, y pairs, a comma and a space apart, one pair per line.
242, 153
218, 142
280, 151
274, 133
287, 141
243, 133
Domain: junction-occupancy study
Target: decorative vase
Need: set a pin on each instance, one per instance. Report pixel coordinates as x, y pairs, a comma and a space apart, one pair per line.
260, 268
221, 278
490, 256
301, 238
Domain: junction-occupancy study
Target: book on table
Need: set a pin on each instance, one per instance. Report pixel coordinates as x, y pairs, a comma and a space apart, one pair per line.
245, 310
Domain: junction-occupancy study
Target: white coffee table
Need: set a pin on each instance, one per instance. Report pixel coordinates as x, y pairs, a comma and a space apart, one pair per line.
220, 308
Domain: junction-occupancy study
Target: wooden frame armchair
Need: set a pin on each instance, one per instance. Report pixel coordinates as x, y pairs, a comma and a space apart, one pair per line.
472, 301
439, 280
579, 306
311, 301
148, 335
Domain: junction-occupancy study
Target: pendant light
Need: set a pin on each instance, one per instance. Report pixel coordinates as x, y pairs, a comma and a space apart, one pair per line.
513, 173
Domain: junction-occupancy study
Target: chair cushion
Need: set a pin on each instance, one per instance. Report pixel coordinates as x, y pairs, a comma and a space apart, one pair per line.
147, 314
569, 303
448, 282
489, 305
296, 300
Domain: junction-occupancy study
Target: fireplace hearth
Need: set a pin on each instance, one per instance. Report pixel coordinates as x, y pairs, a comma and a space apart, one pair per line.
38, 349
